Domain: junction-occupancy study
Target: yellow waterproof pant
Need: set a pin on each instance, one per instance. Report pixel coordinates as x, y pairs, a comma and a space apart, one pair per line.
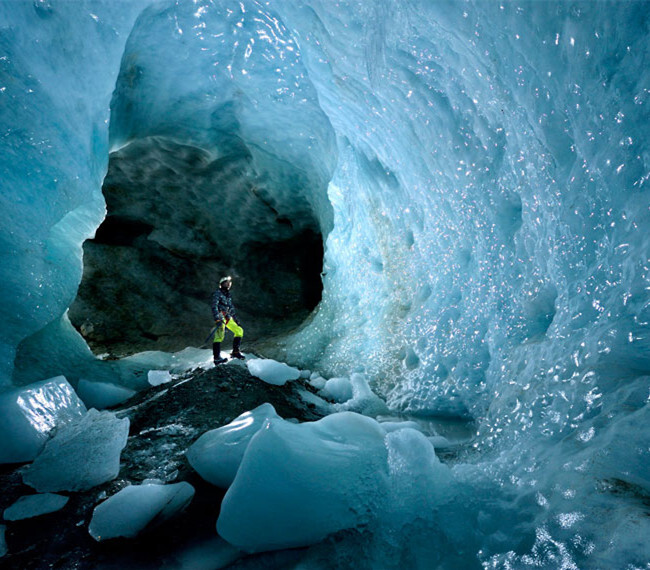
220, 333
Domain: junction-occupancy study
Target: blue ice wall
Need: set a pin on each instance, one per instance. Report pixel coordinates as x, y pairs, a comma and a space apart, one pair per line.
58, 65
480, 170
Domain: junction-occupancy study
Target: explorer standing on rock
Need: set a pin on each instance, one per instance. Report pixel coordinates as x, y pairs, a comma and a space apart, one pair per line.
225, 317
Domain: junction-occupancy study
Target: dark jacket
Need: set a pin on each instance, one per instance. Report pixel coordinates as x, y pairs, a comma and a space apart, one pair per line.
222, 306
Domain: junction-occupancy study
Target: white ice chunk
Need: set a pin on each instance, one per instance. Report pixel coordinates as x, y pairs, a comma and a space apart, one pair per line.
318, 382
217, 454
81, 455
271, 371
28, 414
363, 399
158, 377
35, 505
338, 389
102, 395
298, 483
134, 508
305, 374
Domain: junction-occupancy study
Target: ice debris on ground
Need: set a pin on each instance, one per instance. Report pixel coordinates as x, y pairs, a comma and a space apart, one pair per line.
271, 371
34, 505
299, 483
323, 406
317, 381
136, 507
217, 454
102, 395
361, 397
158, 377
338, 389
80, 455
29, 413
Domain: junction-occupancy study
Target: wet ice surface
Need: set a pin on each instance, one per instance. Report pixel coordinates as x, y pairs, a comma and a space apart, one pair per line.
34, 506
28, 415
136, 507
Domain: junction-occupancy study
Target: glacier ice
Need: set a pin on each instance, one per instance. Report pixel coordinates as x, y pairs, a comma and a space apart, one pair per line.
28, 414
217, 454
362, 400
81, 455
34, 505
298, 483
479, 173
134, 508
271, 371
158, 377
338, 389
100, 395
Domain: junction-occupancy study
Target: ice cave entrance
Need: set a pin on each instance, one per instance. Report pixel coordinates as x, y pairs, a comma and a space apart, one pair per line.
177, 219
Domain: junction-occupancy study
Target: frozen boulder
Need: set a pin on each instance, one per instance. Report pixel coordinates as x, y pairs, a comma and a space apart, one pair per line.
102, 395
29, 413
34, 506
81, 455
216, 455
338, 389
158, 377
299, 483
137, 507
271, 371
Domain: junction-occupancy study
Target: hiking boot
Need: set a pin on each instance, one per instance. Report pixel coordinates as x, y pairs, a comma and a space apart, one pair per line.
236, 343
216, 353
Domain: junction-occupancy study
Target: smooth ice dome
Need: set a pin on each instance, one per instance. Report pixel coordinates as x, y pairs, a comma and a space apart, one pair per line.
298, 483
135, 507
271, 371
28, 415
100, 395
34, 506
81, 455
217, 454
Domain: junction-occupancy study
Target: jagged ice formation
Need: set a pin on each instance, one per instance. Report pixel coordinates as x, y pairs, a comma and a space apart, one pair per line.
478, 173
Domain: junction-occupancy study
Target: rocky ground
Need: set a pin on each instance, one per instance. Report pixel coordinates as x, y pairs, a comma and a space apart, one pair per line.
165, 421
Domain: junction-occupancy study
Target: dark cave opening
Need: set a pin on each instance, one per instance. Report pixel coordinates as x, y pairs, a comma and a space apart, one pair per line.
177, 220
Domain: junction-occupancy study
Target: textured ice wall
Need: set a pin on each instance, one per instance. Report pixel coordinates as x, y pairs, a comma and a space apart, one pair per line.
490, 203
58, 64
